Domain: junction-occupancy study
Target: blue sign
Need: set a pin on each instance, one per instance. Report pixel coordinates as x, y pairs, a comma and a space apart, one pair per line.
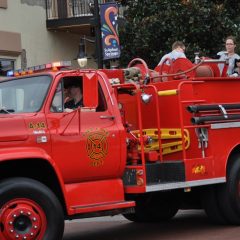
109, 30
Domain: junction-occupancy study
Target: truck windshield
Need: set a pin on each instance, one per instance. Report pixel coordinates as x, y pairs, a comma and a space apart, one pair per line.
23, 95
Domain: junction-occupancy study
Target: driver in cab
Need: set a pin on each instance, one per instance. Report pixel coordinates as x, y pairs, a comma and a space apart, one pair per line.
75, 93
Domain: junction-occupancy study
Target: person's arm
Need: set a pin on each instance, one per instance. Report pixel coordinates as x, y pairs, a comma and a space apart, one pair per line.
163, 59
68, 110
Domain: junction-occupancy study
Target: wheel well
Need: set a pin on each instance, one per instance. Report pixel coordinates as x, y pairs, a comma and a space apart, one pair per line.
232, 158
37, 169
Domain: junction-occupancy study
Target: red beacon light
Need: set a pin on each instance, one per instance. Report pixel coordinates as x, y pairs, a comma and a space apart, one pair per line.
55, 66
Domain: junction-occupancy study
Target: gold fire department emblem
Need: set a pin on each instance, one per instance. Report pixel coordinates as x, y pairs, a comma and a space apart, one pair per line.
97, 146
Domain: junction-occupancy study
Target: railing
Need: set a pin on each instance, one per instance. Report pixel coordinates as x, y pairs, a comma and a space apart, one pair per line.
59, 9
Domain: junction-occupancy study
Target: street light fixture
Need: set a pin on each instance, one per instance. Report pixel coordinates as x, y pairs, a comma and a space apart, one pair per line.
82, 58
82, 55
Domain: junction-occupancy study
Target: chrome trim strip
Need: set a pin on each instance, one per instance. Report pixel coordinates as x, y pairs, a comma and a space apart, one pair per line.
225, 125
177, 185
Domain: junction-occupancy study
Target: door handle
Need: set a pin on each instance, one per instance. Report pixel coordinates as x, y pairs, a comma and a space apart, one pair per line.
107, 117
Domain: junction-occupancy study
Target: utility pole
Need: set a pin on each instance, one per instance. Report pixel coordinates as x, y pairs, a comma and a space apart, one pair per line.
98, 37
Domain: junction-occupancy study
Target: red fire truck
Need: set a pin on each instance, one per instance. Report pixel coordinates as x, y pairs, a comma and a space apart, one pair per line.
145, 144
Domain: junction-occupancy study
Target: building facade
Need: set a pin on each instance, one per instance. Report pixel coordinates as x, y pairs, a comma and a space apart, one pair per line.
34, 32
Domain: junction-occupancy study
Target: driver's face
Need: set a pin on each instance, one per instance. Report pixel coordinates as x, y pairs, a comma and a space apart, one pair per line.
74, 91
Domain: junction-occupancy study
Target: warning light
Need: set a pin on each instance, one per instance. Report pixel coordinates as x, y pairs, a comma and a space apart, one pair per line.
55, 66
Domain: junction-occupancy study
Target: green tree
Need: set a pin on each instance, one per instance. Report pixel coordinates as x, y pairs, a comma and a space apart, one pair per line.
153, 25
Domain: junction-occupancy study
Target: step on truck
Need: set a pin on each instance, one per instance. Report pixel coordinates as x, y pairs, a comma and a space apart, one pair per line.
145, 143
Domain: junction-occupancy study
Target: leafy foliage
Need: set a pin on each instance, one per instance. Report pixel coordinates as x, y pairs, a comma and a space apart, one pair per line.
153, 25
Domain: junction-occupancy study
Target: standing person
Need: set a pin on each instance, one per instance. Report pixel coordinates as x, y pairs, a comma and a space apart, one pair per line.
229, 54
178, 49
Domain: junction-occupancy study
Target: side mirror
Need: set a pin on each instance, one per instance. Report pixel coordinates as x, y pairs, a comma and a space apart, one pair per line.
90, 90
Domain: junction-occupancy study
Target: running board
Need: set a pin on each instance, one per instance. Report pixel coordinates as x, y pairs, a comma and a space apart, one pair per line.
102, 207
177, 185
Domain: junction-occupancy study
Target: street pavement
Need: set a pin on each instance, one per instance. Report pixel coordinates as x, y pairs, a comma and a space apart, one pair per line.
187, 225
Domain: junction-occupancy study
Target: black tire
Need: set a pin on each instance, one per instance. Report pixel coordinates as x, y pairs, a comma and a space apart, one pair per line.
153, 208
229, 193
211, 206
37, 199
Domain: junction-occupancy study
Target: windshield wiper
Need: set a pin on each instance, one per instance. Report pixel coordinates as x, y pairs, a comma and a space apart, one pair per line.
6, 111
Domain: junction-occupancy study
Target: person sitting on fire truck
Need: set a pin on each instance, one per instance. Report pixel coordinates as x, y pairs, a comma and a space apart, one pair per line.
178, 49
75, 92
230, 45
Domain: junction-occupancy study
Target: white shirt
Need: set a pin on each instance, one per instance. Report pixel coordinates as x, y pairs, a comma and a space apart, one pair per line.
223, 56
173, 56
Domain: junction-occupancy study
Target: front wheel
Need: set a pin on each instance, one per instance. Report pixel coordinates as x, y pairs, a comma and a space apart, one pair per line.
29, 210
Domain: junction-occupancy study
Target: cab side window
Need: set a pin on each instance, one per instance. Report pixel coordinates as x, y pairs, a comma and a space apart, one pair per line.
57, 102
64, 95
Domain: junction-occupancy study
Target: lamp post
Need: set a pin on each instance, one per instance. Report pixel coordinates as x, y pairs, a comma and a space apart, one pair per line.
98, 39
112, 50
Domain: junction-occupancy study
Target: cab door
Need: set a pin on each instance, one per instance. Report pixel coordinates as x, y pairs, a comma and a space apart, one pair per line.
102, 136
64, 128
87, 143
